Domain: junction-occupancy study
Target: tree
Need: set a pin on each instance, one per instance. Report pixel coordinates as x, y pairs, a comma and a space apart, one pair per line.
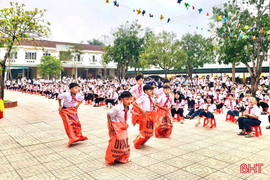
229, 48
199, 51
164, 51
95, 42
126, 46
73, 55
140, 45
107, 57
16, 25
50, 67
251, 48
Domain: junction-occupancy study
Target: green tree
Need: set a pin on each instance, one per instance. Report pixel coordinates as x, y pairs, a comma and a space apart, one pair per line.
16, 25
199, 51
50, 67
95, 42
107, 57
164, 51
126, 48
250, 49
73, 54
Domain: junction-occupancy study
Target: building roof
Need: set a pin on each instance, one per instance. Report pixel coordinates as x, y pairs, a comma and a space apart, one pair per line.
52, 44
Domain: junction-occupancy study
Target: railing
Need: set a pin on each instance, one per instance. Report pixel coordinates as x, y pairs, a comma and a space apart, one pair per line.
12, 61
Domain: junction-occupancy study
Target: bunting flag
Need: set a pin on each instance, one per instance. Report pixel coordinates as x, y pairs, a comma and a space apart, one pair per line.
239, 36
139, 11
161, 17
179, 1
143, 12
187, 5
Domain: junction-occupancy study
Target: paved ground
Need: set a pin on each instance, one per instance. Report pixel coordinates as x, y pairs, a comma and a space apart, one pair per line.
33, 146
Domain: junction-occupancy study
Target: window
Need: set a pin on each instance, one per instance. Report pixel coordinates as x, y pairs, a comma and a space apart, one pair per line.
77, 57
46, 53
94, 59
31, 55
13, 55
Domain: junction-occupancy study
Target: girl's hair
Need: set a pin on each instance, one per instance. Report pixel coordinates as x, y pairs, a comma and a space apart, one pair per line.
180, 97
210, 97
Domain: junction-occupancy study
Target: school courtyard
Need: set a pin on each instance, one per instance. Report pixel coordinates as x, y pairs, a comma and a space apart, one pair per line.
33, 146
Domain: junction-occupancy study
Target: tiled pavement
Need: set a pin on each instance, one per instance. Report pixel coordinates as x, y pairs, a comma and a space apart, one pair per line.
33, 146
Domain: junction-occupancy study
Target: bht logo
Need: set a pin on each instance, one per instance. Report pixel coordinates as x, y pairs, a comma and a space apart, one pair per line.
248, 168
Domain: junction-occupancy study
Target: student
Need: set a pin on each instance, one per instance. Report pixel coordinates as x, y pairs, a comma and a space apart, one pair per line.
118, 149
230, 104
251, 118
69, 114
163, 121
178, 106
219, 99
137, 90
191, 99
209, 109
159, 92
268, 127
113, 98
99, 98
146, 116
247, 97
263, 102
199, 105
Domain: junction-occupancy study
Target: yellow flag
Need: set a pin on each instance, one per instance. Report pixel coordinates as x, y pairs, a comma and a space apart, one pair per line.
2, 107
161, 17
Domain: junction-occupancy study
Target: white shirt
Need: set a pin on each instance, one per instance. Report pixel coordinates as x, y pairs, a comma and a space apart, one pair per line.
68, 100
164, 99
264, 98
255, 111
113, 95
246, 101
135, 90
199, 103
211, 107
178, 104
218, 98
145, 103
230, 104
117, 113
186, 93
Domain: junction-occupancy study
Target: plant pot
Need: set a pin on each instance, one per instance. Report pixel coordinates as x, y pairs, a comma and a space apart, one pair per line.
10, 104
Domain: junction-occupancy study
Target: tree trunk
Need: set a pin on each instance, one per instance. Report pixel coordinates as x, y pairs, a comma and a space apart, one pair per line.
105, 72
254, 84
233, 72
166, 73
135, 71
3, 67
190, 73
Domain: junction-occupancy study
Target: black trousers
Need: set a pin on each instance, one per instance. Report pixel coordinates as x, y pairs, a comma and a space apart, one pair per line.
112, 101
245, 123
97, 100
54, 94
179, 111
219, 106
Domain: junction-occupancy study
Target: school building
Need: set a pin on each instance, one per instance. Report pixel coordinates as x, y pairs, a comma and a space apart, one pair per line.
27, 56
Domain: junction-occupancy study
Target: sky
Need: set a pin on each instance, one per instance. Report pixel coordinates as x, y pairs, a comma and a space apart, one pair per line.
82, 20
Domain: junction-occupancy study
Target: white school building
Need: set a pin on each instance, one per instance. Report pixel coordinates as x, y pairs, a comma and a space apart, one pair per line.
27, 56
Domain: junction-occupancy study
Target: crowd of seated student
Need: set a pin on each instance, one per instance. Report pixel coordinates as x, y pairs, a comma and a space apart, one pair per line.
201, 97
